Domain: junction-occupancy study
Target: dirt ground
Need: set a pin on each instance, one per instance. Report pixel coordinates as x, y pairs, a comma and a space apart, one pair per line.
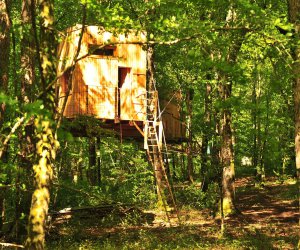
268, 219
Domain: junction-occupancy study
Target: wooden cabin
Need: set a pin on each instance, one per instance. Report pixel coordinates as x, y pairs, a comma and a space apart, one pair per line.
108, 81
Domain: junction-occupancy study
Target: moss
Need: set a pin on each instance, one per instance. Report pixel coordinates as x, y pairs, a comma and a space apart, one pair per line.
228, 207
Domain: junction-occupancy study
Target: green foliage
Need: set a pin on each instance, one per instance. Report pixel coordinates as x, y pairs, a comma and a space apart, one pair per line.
126, 175
193, 197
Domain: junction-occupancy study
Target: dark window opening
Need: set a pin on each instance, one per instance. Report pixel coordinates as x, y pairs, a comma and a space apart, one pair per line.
122, 74
65, 81
105, 51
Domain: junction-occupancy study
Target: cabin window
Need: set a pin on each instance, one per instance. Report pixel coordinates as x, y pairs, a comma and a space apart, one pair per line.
102, 51
123, 78
65, 79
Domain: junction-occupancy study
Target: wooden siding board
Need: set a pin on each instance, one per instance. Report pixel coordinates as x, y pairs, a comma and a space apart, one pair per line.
171, 121
139, 95
125, 93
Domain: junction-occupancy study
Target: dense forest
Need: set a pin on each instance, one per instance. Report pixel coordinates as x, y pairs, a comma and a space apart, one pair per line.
230, 68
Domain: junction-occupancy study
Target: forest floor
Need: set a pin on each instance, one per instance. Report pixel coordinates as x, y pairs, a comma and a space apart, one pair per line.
268, 220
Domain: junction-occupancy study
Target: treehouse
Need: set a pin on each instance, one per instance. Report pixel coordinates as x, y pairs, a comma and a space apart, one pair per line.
108, 81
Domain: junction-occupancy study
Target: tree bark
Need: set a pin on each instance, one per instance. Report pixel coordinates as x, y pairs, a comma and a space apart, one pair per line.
254, 126
26, 139
294, 17
98, 162
47, 143
294, 13
27, 51
257, 132
4, 46
225, 89
207, 136
5, 26
91, 171
190, 166
4, 74
227, 160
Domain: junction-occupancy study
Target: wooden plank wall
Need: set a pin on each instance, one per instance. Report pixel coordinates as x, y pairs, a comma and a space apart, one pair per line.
97, 78
173, 127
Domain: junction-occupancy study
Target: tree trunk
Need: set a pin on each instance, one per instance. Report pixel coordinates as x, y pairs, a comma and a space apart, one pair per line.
206, 151
174, 163
225, 89
47, 143
264, 142
91, 171
4, 73
98, 155
227, 160
26, 139
190, 166
257, 132
4, 46
27, 51
294, 12
254, 125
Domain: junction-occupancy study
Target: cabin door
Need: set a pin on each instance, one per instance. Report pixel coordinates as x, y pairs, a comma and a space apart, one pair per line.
98, 81
124, 98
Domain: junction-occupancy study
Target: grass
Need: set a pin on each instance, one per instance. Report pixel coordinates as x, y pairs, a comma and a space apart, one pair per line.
269, 221
173, 238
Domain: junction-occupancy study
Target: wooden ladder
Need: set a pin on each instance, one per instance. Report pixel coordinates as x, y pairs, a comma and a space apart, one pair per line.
153, 132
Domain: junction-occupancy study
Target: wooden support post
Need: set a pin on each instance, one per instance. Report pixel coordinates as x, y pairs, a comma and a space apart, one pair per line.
146, 135
117, 115
160, 133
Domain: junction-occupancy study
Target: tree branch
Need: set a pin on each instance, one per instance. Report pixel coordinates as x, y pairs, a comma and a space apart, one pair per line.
13, 130
69, 80
10, 245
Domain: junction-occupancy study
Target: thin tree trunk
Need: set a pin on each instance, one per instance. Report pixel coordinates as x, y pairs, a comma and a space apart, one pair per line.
260, 171
182, 162
190, 166
254, 121
27, 51
98, 155
91, 171
207, 135
174, 166
264, 142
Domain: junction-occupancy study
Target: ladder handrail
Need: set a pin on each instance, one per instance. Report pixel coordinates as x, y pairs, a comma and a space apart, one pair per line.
152, 139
